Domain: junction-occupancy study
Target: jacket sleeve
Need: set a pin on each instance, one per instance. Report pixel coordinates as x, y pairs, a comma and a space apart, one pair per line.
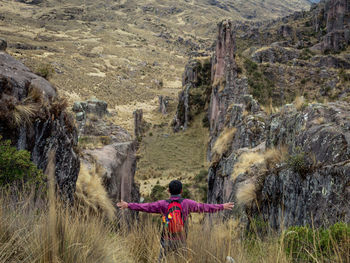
154, 207
204, 208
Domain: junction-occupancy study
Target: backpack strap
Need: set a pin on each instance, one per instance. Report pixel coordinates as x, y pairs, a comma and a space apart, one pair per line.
175, 200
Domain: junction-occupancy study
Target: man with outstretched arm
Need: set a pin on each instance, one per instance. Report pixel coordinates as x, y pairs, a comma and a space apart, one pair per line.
175, 212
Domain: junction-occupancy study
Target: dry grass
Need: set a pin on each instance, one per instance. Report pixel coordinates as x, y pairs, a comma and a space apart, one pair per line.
299, 102
46, 234
246, 193
23, 113
91, 194
265, 160
269, 109
224, 141
246, 161
49, 232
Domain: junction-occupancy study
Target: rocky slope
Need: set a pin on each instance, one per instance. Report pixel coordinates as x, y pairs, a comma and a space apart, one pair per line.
34, 118
287, 166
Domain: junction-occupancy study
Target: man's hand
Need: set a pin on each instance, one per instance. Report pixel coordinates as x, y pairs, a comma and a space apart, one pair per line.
229, 206
122, 204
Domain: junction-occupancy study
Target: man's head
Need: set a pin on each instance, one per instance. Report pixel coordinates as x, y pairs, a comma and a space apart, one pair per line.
175, 187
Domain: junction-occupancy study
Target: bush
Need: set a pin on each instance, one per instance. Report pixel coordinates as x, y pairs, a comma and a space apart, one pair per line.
303, 244
16, 166
158, 193
297, 162
261, 87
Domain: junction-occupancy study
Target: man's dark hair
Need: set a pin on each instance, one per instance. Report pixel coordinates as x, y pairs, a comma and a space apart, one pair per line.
175, 187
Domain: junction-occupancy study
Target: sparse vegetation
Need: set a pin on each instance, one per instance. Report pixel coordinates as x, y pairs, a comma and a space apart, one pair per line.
158, 193
261, 87
91, 142
300, 103
306, 54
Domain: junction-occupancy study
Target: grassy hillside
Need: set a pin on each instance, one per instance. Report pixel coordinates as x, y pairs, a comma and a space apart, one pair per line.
121, 51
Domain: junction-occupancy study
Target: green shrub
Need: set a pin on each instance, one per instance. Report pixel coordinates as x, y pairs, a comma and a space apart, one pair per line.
304, 244
250, 66
297, 162
16, 166
158, 193
261, 87
345, 77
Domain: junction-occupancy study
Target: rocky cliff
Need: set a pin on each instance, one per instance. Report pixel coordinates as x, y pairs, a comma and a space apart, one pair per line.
34, 118
334, 15
288, 166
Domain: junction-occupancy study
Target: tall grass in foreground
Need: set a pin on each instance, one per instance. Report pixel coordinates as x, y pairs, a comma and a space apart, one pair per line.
30, 233
45, 230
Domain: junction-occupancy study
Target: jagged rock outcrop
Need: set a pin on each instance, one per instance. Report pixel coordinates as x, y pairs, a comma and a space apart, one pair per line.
33, 117
316, 189
163, 104
195, 93
94, 106
139, 124
333, 18
229, 106
290, 168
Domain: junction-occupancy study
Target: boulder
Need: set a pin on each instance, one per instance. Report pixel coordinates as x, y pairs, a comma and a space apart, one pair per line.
118, 162
47, 128
93, 106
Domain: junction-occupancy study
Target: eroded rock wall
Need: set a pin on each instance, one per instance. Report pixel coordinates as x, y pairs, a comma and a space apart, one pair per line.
309, 185
33, 118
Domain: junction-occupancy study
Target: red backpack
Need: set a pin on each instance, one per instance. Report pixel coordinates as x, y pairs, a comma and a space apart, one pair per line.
174, 223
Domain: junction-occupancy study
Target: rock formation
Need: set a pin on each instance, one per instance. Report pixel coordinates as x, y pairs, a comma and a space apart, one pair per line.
289, 168
163, 104
195, 94
333, 18
113, 151
33, 117
139, 124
